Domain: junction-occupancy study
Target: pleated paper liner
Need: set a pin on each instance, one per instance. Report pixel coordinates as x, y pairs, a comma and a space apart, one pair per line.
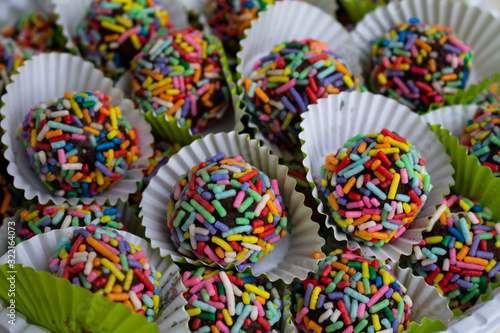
452, 118
129, 218
58, 305
50, 75
331, 122
292, 255
429, 313
357, 9
478, 28
70, 13
265, 34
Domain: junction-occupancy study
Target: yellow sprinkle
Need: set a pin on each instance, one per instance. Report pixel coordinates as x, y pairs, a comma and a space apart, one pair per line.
106, 263
227, 318
109, 285
193, 312
222, 243
113, 27
128, 280
257, 291
376, 322
394, 186
387, 151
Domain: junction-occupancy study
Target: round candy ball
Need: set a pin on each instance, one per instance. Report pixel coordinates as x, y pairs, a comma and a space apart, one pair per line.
419, 63
231, 301
37, 31
11, 58
376, 300
226, 211
179, 75
375, 185
102, 261
230, 18
481, 136
460, 252
39, 219
284, 82
80, 145
113, 32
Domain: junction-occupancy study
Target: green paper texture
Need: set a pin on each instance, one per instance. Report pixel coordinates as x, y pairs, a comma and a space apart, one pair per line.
472, 181
356, 9
60, 306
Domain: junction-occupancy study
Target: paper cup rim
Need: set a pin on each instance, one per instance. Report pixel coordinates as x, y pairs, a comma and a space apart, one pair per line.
11, 136
341, 43
348, 100
131, 238
441, 12
210, 141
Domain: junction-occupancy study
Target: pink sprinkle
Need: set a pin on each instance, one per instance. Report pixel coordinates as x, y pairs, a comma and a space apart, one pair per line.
77, 214
92, 276
185, 277
239, 199
377, 296
361, 310
222, 298
399, 232
53, 263
105, 238
438, 99
386, 62
203, 89
79, 137
452, 200
110, 248
404, 176
128, 33
49, 211
137, 288
376, 228
401, 85
376, 181
62, 156
136, 256
286, 86
340, 192
481, 117
301, 314
200, 182
349, 329
467, 265
453, 256
355, 204
208, 251
367, 202
312, 73
277, 125
353, 214
375, 202
274, 186
264, 117
217, 305
373, 211
192, 99
419, 70
223, 182
222, 327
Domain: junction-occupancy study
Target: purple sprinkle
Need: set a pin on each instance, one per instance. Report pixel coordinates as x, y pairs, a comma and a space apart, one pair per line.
134, 263
336, 295
484, 255
455, 277
202, 238
221, 226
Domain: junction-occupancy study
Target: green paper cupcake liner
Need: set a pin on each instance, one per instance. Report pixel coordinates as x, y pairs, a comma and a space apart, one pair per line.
60, 306
472, 181
357, 9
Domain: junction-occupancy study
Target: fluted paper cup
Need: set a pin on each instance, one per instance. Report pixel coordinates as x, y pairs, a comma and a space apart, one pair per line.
297, 21
58, 305
452, 118
334, 120
71, 12
129, 219
430, 311
292, 254
50, 75
478, 28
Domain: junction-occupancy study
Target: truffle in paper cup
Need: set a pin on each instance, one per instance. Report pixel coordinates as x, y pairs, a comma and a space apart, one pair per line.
70, 13
334, 120
452, 118
483, 38
59, 305
292, 255
265, 34
48, 76
429, 311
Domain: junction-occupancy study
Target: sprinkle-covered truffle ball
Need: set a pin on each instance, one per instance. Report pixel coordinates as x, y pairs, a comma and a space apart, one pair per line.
179, 75
11, 58
39, 219
481, 136
460, 251
419, 63
230, 18
79, 145
37, 31
283, 83
162, 152
231, 302
113, 32
104, 262
350, 293
375, 185
225, 210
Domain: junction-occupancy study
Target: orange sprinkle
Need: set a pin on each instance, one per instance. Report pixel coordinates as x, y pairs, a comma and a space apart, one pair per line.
176, 106
449, 77
102, 250
118, 297
350, 183
463, 252
91, 130
317, 255
361, 219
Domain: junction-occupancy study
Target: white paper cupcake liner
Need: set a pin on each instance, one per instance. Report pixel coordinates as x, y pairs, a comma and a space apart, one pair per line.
36, 252
477, 27
427, 302
331, 122
71, 12
452, 118
129, 218
299, 21
50, 75
292, 255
